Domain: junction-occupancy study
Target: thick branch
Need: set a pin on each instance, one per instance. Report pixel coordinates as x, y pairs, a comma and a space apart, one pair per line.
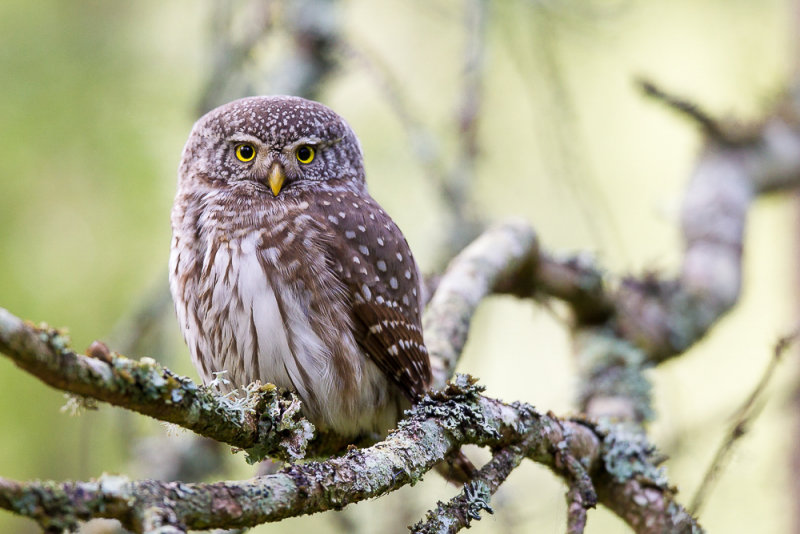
502, 255
504, 259
434, 427
663, 316
265, 417
650, 319
666, 317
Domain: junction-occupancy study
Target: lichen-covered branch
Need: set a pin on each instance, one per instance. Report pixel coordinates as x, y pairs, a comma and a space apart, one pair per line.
505, 258
265, 421
465, 507
665, 317
646, 320
502, 255
439, 424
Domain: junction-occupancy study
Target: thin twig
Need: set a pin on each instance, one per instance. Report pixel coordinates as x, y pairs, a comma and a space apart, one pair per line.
421, 141
743, 419
231, 50
456, 189
534, 53
580, 494
462, 509
454, 184
712, 127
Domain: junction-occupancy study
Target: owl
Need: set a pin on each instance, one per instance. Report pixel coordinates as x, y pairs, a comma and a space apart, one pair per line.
283, 269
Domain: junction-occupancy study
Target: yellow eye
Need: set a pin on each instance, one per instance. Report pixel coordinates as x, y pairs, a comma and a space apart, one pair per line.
305, 154
245, 152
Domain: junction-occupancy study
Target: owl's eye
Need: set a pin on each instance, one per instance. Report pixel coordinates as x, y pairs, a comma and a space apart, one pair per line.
245, 152
305, 154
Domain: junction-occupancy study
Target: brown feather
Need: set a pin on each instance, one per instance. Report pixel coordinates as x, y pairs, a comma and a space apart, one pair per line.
395, 346
381, 275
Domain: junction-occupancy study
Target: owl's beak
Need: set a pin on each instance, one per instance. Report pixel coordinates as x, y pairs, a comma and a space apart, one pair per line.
276, 178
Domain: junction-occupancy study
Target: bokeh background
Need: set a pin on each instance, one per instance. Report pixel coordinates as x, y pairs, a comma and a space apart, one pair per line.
97, 99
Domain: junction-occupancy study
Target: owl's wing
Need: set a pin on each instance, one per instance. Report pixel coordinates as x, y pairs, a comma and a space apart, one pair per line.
395, 345
376, 267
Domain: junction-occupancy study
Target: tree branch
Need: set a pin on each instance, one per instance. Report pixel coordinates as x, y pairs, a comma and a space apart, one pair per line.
501, 259
621, 329
647, 320
742, 420
460, 511
505, 258
266, 421
665, 317
439, 424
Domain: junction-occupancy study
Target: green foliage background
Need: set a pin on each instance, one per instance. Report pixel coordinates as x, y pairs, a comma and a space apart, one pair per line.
98, 98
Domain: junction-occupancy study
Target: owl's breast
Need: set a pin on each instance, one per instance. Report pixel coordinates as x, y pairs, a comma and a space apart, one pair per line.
265, 305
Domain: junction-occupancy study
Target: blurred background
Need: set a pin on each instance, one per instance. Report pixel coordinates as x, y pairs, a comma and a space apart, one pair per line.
97, 99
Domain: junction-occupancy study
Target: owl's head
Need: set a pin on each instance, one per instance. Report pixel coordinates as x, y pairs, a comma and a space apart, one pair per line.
278, 144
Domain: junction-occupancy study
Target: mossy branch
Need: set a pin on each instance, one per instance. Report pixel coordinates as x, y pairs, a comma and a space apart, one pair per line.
265, 418
443, 421
505, 258
623, 329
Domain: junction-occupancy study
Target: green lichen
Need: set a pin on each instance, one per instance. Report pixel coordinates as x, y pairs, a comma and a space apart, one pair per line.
56, 338
627, 453
477, 495
454, 408
49, 504
460, 511
283, 432
614, 368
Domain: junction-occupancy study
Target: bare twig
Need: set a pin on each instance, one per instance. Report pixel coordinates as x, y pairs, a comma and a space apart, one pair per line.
580, 494
533, 49
231, 49
455, 183
712, 127
456, 189
421, 141
742, 421
576, 511
315, 30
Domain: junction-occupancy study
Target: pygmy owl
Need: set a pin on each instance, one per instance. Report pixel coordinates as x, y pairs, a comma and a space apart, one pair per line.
284, 269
